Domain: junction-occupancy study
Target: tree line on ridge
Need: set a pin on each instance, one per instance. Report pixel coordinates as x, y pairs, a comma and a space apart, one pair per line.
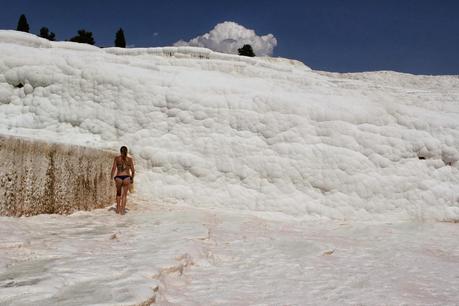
86, 37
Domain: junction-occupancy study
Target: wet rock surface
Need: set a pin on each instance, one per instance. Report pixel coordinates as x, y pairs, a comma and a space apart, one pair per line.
38, 177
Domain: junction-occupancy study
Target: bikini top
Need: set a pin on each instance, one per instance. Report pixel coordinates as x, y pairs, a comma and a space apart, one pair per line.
122, 165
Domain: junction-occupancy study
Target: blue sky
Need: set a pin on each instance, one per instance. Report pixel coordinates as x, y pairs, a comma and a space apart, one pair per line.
420, 37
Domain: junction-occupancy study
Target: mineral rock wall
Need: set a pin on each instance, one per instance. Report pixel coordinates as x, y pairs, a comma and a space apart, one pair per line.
261, 135
37, 177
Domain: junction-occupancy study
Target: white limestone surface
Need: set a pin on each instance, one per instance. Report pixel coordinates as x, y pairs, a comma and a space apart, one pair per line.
260, 181
263, 135
187, 256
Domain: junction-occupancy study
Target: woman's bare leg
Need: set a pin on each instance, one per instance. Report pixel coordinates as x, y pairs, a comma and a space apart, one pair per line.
124, 196
119, 185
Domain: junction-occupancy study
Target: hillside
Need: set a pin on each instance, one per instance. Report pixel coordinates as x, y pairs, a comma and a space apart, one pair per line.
260, 181
265, 134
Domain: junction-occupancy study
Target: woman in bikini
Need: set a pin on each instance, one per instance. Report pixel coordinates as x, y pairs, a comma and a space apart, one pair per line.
124, 168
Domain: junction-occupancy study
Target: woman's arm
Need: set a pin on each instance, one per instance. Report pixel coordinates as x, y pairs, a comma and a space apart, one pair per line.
114, 168
132, 170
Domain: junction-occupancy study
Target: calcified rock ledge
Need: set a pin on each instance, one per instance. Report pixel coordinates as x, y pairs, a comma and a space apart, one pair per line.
260, 181
263, 135
38, 177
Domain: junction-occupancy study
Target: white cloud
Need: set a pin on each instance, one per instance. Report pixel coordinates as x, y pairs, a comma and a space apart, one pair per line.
229, 36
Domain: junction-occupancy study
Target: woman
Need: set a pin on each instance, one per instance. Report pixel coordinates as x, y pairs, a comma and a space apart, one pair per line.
124, 168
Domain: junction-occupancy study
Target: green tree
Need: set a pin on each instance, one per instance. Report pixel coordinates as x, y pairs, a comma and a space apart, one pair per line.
23, 26
246, 50
119, 40
45, 33
83, 37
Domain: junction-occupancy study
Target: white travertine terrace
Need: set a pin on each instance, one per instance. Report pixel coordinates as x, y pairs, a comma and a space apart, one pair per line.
264, 135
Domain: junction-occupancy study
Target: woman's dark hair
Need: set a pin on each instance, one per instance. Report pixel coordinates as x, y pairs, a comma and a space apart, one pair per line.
124, 150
